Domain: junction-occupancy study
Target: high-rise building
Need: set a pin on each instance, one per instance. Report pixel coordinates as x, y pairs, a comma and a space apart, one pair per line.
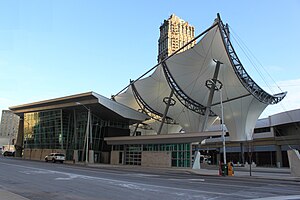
9, 126
174, 34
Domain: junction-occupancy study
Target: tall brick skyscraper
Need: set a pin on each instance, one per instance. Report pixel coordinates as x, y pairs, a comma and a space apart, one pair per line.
174, 33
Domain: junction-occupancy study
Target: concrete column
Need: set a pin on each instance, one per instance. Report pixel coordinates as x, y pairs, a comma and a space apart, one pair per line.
271, 158
196, 164
294, 161
91, 156
242, 154
218, 157
257, 159
75, 155
20, 138
278, 156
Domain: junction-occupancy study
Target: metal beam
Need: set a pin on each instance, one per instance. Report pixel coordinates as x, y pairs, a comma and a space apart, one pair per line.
184, 99
228, 100
148, 110
166, 112
210, 97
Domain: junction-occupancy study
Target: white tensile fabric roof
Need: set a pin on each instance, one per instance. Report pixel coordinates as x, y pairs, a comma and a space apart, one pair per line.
190, 70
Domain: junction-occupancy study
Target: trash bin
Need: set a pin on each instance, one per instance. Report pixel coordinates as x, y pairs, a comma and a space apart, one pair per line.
224, 169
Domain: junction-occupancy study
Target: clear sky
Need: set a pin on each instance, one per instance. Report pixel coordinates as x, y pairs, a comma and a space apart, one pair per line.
50, 49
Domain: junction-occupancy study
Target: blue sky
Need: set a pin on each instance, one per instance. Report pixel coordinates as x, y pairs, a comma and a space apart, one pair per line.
50, 49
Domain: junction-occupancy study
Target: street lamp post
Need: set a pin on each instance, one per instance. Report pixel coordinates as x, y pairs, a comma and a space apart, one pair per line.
217, 85
87, 138
222, 124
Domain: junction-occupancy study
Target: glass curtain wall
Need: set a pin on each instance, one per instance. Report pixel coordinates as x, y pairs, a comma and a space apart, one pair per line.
66, 129
43, 130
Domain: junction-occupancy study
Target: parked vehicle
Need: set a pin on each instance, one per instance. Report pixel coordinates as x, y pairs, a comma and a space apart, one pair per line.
53, 157
8, 153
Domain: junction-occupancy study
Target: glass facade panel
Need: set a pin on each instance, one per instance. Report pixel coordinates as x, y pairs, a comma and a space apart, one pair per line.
66, 129
43, 130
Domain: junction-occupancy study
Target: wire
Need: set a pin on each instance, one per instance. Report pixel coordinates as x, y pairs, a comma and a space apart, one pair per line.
259, 63
253, 64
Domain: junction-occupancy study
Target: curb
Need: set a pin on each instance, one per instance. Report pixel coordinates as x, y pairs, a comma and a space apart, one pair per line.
4, 194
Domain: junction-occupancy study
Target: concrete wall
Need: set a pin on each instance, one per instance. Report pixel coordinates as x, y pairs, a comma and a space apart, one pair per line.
39, 154
4, 141
114, 157
105, 157
27, 154
36, 154
294, 160
156, 159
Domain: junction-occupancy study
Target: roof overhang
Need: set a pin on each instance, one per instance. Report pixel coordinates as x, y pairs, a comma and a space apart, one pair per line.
99, 105
162, 139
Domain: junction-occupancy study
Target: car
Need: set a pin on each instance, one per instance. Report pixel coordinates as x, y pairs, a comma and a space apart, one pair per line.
8, 153
53, 157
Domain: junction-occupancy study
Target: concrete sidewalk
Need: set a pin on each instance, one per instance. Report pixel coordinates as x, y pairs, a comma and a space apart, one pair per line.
6, 195
257, 172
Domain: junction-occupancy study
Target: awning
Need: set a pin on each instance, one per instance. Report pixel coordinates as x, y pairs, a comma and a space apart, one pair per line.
162, 139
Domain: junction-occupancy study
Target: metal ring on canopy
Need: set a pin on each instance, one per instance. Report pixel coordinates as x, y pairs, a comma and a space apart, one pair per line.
214, 83
170, 101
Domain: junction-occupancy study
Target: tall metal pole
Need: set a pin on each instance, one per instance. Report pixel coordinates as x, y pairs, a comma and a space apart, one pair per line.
87, 137
222, 124
166, 112
88, 126
75, 129
210, 97
91, 130
135, 129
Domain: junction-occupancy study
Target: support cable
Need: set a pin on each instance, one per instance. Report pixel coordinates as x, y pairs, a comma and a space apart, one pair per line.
243, 76
266, 71
191, 41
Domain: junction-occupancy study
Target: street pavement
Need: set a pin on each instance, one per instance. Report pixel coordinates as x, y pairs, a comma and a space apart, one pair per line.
34, 180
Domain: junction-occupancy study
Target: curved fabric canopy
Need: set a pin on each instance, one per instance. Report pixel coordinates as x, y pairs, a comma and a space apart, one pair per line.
184, 79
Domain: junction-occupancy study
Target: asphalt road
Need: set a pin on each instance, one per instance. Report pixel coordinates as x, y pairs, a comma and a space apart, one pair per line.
44, 181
